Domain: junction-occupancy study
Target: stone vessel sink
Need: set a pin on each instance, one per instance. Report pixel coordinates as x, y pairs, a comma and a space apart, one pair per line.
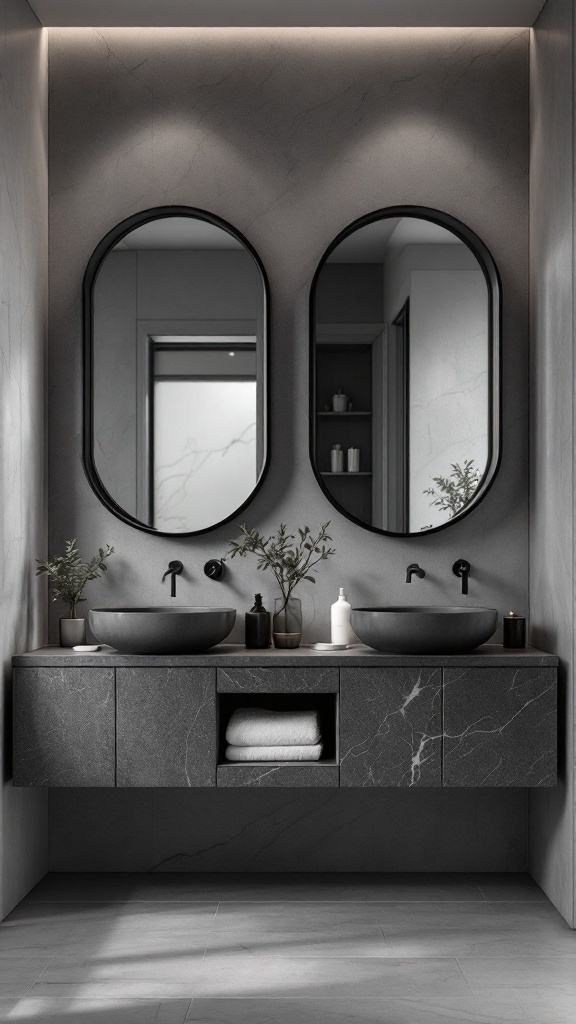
424, 630
161, 630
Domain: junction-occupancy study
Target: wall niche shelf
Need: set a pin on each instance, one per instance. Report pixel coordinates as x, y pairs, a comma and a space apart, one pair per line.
344, 360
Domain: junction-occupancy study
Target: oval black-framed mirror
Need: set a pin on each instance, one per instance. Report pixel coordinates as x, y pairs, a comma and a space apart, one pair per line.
405, 371
176, 424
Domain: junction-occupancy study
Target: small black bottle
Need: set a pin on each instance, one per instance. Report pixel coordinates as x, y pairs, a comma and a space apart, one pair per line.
257, 625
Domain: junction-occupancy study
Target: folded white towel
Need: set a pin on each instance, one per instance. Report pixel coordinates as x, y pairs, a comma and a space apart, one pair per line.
310, 752
253, 727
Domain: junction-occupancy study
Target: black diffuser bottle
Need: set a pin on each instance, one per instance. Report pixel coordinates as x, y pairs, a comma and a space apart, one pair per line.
257, 625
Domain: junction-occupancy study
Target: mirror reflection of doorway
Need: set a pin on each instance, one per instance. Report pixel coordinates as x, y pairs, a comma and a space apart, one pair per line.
198, 429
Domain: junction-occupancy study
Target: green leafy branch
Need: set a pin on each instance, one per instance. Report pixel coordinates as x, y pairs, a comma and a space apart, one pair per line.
288, 558
68, 574
453, 492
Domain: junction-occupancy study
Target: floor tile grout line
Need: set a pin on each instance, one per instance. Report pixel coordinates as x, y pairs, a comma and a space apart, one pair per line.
36, 980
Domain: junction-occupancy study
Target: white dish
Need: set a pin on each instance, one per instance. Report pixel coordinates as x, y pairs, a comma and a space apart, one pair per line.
86, 648
329, 647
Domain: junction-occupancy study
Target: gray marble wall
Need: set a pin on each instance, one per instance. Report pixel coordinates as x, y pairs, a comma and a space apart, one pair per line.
23, 314
552, 572
290, 135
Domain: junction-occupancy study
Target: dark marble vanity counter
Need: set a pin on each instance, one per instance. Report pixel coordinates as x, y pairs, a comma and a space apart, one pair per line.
236, 655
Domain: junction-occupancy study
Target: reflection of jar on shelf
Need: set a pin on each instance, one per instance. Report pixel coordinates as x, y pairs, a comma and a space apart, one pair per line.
336, 459
353, 460
339, 402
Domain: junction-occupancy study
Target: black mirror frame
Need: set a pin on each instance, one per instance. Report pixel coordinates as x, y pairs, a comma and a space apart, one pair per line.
494, 285
100, 253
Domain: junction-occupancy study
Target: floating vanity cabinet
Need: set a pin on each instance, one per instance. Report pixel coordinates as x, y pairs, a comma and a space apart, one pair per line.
390, 727
64, 727
499, 727
166, 727
485, 719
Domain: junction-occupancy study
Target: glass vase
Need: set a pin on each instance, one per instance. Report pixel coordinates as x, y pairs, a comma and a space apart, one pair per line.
287, 622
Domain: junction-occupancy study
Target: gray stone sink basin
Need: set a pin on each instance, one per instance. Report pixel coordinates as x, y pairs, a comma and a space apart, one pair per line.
169, 630
419, 629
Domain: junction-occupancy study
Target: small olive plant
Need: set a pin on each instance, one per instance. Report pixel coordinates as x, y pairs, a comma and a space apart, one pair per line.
290, 559
68, 574
453, 492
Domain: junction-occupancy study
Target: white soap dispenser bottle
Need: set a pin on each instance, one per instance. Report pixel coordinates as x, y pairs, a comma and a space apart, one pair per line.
340, 628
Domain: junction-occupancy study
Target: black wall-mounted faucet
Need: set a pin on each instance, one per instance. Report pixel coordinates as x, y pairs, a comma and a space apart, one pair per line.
174, 569
414, 570
462, 568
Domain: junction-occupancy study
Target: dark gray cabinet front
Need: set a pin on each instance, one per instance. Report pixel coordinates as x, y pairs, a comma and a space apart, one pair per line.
278, 680
64, 727
166, 727
499, 727
390, 727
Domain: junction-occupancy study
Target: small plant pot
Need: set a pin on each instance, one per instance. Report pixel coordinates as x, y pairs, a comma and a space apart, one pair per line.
287, 623
72, 632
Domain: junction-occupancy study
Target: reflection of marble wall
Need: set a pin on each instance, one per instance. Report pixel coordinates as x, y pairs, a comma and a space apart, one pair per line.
449, 387
204, 451
448, 363
23, 313
290, 135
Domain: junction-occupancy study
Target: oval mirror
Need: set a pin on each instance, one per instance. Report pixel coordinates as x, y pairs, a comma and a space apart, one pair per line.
176, 366
405, 371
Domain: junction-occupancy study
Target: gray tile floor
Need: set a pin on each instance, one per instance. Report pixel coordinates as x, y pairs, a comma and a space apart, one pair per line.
287, 949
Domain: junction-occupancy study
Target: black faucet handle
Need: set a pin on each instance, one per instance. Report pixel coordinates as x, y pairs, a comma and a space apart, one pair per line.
462, 569
176, 567
214, 569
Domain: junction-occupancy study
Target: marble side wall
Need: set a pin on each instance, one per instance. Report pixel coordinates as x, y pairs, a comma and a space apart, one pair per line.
552, 571
290, 135
23, 316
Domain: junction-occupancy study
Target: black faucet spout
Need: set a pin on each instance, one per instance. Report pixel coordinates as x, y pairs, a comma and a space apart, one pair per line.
414, 570
462, 569
174, 569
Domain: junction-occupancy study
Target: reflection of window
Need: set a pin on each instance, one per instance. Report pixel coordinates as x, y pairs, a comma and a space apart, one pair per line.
203, 437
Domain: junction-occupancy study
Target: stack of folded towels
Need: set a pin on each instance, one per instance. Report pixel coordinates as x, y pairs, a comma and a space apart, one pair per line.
254, 734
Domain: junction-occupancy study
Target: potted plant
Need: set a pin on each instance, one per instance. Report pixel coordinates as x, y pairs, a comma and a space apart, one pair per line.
68, 575
290, 560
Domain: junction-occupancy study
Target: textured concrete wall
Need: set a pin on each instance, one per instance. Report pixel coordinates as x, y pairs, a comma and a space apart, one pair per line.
552, 573
290, 135
23, 316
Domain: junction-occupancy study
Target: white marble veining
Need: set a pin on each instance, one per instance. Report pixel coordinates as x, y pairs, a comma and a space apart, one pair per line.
23, 315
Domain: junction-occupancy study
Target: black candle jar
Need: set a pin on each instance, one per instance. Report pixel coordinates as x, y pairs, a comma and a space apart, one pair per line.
514, 630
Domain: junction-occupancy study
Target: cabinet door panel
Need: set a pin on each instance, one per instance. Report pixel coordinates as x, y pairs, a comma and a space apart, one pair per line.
166, 727
64, 727
500, 727
390, 727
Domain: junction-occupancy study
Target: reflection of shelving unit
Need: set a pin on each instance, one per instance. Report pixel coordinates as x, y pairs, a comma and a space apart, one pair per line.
345, 356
